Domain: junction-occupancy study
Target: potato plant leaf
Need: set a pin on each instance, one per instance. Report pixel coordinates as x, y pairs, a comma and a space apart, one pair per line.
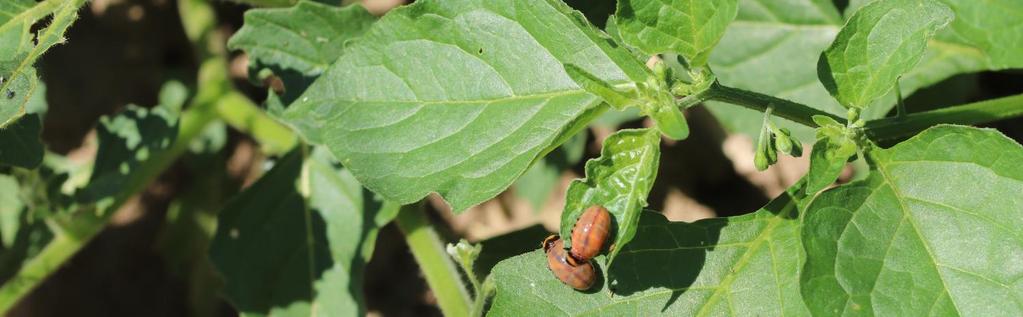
653, 98
933, 230
773, 45
879, 43
830, 154
827, 160
11, 210
298, 43
126, 140
458, 97
19, 142
20, 48
991, 33
994, 28
296, 241
305, 38
21, 92
275, 3
620, 180
23, 237
712, 267
690, 28
540, 181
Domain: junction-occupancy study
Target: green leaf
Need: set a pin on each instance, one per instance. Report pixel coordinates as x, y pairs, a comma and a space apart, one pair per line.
612, 119
690, 28
620, 180
305, 38
173, 94
22, 241
296, 241
20, 144
269, 3
993, 27
773, 47
11, 208
297, 44
652, 97
507, 245
19, 48
933, 230
827, 159
712, 267
619, 99
126, 140
539, 182
990, 33
669, 119
879, 43
458, 97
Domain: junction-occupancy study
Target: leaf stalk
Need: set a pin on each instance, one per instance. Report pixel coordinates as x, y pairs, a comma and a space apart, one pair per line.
880, 130
784, 108
438, 268
895, 128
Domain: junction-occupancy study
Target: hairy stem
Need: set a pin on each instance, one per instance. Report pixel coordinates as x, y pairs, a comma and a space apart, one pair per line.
441, 273
482, 296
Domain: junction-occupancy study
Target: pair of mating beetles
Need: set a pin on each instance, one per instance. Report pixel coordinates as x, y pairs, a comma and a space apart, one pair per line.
588, 235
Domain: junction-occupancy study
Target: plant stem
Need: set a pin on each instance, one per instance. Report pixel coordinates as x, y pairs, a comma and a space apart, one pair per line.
783, 108
482, 296
894, 128
240, 113
879, 130
441, 273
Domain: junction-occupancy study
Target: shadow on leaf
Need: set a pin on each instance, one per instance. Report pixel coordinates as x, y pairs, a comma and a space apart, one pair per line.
679, 256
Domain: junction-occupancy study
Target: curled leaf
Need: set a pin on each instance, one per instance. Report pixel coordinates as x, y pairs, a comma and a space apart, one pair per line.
620, 180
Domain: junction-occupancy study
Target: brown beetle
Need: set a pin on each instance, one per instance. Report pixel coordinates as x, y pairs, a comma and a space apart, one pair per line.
578, 275
590, 232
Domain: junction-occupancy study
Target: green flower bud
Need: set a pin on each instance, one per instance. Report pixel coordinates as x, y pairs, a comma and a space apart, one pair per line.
772, 154
660, 70
783, 143
760, 160
797, 149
